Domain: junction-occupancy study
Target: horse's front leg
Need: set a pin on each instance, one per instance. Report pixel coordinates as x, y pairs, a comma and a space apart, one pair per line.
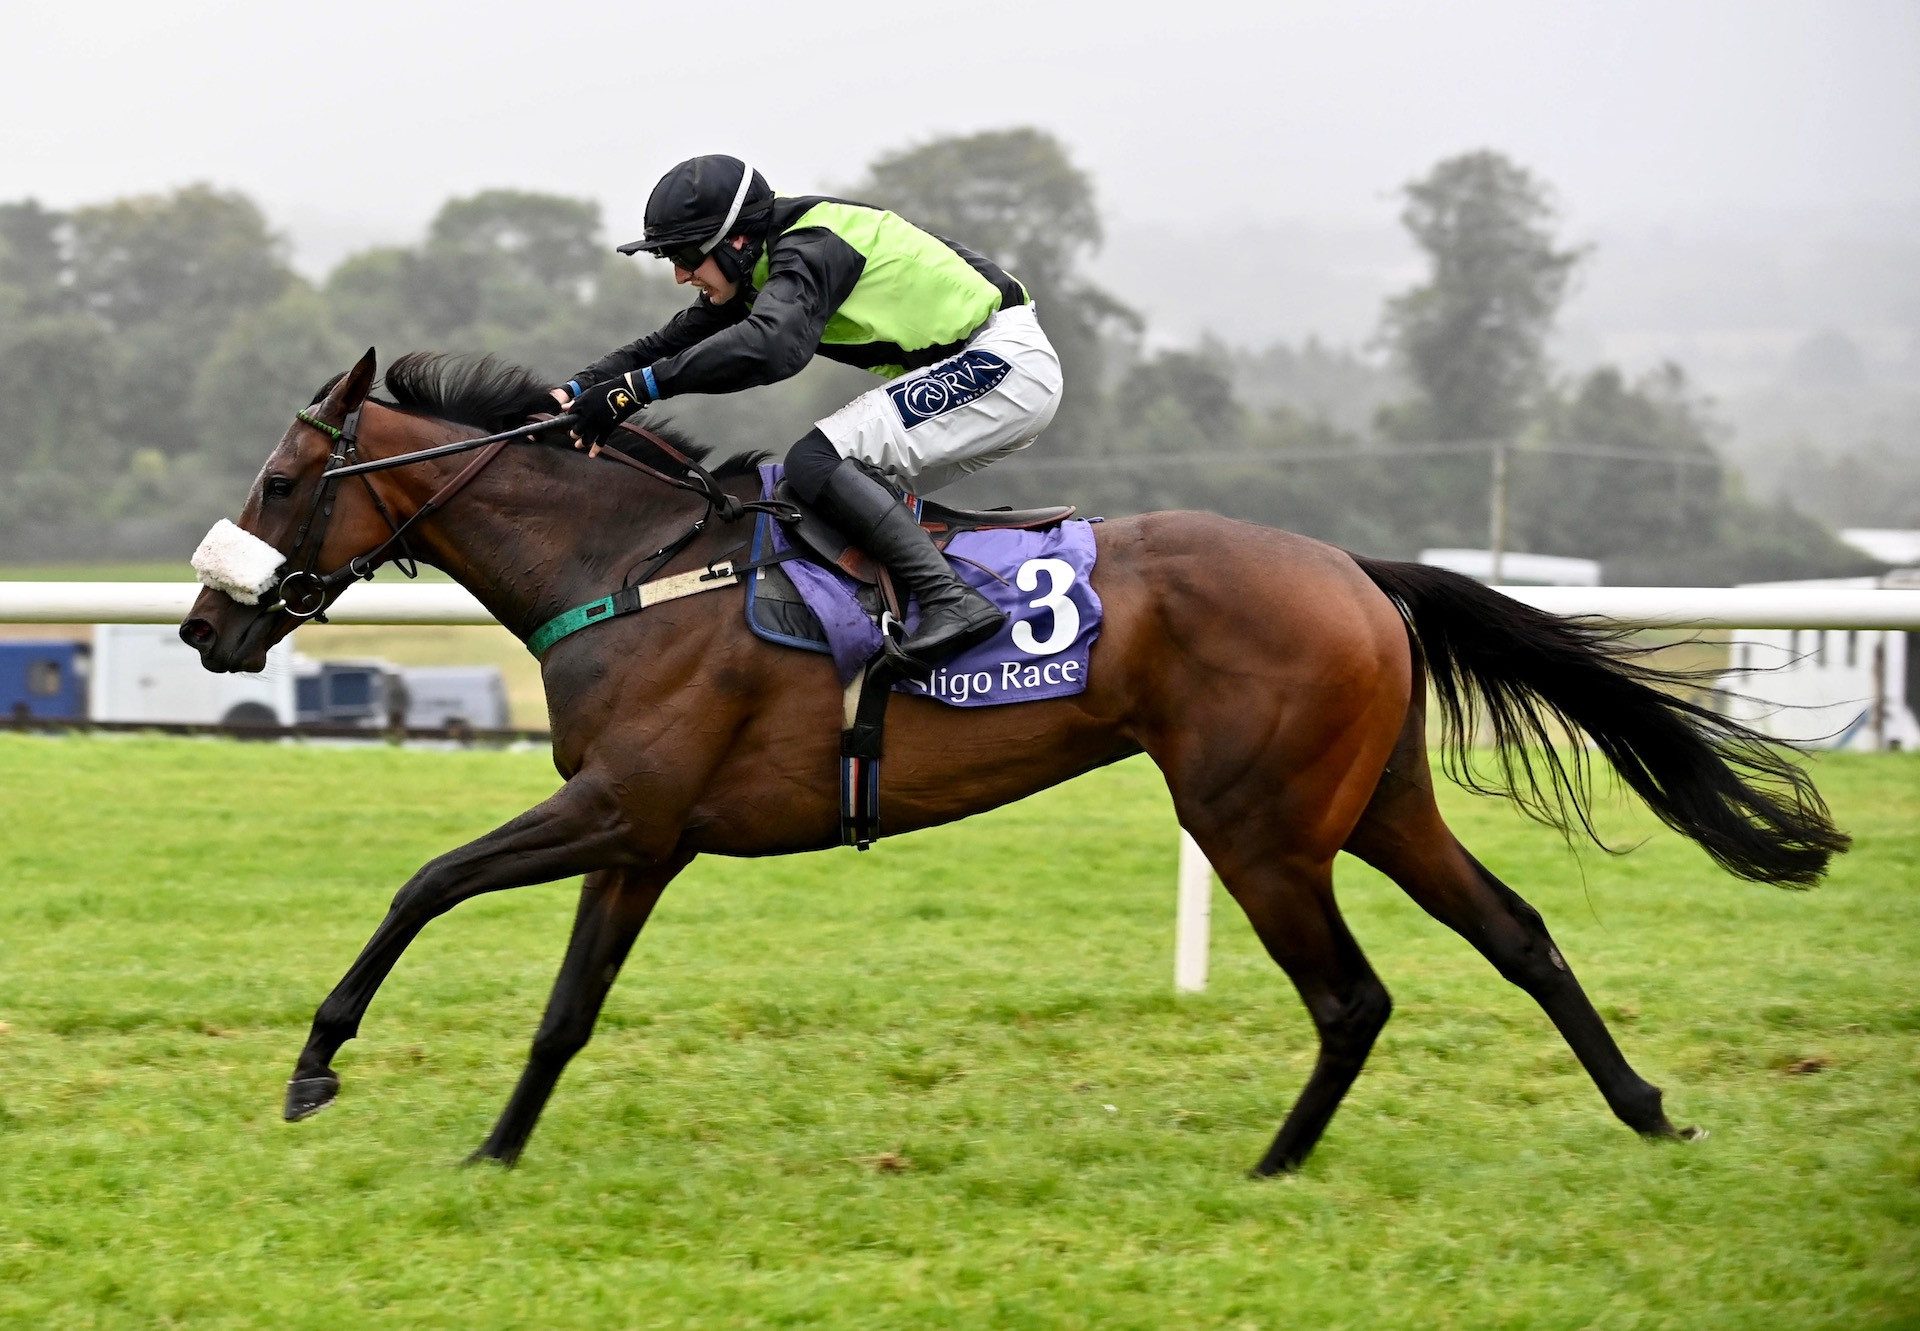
613, 908
579, 828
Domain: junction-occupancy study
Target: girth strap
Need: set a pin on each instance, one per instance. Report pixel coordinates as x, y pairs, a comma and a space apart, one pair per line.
863, 728
630, 599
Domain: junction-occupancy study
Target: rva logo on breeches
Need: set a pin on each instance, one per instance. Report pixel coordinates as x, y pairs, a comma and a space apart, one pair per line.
951, 383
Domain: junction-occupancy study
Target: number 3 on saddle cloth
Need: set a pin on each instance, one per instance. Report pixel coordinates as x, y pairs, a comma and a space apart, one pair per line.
1042, 578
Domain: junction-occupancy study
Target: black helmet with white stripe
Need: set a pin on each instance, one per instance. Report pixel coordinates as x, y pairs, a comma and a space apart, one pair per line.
698, 204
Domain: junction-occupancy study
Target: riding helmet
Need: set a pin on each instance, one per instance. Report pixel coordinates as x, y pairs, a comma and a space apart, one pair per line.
702, 201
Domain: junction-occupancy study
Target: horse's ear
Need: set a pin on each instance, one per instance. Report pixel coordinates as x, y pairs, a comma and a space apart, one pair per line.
351, 393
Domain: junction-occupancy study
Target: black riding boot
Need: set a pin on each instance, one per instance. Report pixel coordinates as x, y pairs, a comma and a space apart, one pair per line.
953, 616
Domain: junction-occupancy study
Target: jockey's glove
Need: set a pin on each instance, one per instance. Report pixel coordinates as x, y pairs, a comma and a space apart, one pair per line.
600, 407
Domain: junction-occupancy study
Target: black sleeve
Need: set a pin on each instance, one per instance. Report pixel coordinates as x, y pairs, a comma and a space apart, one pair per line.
809, 274
698, 321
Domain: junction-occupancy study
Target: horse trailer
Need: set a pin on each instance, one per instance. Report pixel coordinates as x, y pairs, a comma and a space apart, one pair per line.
43, 681
453, 697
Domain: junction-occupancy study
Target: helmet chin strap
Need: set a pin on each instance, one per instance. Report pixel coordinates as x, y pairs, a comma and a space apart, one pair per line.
737, 265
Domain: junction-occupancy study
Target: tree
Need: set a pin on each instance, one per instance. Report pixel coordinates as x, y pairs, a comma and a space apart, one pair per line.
1337, 384
528, 277
1473, 338
378, 297
1017, 197
1749, 542
502, 261
46, 365
1013, 194
1874, 484
189, 260
1622, 468
1196, 383
543, 240
32, 261
255, 377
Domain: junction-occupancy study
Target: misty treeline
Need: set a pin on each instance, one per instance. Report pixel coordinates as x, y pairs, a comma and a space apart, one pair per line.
152, 349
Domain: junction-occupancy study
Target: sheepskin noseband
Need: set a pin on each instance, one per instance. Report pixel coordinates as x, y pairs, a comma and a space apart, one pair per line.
236, 562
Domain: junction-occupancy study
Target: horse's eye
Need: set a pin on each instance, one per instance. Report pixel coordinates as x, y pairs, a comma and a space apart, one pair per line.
278, 487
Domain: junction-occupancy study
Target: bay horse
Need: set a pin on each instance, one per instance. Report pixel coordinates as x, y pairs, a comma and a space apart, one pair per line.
1280, 684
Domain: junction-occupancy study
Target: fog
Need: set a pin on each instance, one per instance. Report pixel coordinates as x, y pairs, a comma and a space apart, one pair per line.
351, 123
1742, 175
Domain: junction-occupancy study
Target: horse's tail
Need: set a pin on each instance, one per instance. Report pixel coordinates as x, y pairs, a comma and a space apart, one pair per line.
1536, 677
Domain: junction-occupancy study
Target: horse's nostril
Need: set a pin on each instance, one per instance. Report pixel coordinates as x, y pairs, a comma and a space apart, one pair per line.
196, 633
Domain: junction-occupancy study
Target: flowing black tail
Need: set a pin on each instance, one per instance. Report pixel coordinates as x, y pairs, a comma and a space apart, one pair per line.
1536, 677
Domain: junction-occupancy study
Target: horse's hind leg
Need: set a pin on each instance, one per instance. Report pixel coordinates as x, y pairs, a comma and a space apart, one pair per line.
1403, 836
1291, 907
1271, 843
614, 906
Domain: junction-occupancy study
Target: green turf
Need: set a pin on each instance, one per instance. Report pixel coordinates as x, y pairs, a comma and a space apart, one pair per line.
942, 1084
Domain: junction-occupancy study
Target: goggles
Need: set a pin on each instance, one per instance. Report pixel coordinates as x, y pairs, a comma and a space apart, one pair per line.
689, 256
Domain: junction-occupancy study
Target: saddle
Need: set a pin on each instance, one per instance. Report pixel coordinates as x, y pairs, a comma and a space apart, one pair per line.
823, 540
864, 703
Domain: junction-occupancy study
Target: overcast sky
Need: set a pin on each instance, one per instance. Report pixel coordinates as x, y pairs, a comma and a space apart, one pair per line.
350, 122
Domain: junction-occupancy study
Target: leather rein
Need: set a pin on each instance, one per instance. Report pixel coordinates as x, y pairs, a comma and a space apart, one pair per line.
304, 592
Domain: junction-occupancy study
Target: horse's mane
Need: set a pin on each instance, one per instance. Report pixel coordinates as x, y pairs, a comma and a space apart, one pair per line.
493, 395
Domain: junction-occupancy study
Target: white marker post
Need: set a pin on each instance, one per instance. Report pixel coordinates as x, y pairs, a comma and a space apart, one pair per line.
1193, 922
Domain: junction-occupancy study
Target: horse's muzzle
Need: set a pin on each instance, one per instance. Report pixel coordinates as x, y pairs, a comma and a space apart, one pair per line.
230, 638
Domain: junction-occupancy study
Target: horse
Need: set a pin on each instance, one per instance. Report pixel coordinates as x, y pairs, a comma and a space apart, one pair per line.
1280, 684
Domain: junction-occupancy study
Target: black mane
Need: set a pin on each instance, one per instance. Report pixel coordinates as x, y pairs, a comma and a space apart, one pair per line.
480, 391
493, 395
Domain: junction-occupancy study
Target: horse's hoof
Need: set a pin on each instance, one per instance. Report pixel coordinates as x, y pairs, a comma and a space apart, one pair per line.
1282, 1168
1666, 1132
307, 1096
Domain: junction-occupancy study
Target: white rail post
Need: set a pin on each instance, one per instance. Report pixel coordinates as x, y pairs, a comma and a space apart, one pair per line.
1193, 922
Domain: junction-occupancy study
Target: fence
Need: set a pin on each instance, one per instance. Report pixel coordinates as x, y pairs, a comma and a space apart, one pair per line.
1640, 607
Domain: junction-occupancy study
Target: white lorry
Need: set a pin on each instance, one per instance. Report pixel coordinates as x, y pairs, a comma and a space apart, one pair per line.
144, 673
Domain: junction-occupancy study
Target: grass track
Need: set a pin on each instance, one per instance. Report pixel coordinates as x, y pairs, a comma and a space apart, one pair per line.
988, 1007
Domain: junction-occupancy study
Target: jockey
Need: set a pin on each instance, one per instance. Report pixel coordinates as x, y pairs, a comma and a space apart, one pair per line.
972, 376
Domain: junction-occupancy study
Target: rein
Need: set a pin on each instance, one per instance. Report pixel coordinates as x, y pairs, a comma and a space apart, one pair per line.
304, 593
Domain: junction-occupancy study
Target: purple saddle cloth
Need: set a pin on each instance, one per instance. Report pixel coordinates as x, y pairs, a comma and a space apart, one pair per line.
1042, 579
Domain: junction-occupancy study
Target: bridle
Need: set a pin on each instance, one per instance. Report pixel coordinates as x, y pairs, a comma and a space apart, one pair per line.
304, 592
